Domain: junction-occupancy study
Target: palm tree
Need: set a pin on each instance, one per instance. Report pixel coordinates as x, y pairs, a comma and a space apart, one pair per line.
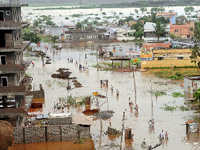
159, 29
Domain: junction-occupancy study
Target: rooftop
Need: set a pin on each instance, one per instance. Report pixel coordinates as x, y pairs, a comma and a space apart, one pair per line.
197, 77
10, 25
166, 14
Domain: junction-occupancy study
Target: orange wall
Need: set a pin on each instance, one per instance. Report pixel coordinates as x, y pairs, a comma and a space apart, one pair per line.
183, 30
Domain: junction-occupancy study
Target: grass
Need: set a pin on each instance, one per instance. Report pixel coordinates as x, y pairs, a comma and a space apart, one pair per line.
169, 108
177, 94
183, 108
174, 73
72, 101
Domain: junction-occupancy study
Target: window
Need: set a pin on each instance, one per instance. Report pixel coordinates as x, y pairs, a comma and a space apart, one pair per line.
160, 58
1, 16
3, 60
176, 31
4, 81
179, 58
8, 13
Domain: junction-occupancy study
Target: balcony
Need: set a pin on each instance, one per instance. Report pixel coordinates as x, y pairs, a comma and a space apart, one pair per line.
16, 48
13, 68
12, 90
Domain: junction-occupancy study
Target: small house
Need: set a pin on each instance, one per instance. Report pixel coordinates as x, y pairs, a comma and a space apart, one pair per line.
191, 84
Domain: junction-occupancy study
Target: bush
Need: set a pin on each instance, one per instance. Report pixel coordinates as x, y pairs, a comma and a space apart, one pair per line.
177, 94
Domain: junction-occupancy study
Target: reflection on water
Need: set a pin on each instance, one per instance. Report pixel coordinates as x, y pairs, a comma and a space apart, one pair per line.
170, 121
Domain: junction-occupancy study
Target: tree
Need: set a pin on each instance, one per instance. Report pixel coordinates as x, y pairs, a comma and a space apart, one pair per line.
136, 11
196, 95
159, 29
139, 32
54, 39
50, 23
196, 49
29, 35
79, 25
143, 9
189, 9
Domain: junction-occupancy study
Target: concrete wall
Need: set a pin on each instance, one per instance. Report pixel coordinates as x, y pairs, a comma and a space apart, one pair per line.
166, 63
69, 132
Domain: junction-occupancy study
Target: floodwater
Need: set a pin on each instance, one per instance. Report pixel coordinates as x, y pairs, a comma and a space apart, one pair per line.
170, 121
112, 14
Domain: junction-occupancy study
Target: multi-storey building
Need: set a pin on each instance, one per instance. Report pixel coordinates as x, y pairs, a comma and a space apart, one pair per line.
13, 84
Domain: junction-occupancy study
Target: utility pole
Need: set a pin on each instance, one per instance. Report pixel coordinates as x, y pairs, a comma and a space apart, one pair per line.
134, 85
151, 102
97, 61
107, 101
123, 121
101, 127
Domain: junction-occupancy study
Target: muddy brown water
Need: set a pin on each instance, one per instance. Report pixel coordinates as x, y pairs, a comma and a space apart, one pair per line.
171, 121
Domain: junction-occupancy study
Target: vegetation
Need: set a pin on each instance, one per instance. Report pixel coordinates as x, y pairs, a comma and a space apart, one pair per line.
29, 35
196, 95
196, 49
177, 94
169, 108
183, 108
159, 29
189, 9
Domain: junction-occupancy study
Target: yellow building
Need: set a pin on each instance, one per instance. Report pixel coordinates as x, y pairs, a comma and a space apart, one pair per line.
167, 58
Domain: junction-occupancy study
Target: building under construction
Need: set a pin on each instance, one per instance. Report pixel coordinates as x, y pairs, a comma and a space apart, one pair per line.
14, 103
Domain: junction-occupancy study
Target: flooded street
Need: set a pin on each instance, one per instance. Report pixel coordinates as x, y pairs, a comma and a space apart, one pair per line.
171, 121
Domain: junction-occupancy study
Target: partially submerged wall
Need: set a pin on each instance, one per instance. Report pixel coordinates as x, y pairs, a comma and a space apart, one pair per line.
69, 132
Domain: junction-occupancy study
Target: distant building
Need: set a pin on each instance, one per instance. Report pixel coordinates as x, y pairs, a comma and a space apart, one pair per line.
183, 31
170, 16
124, 35
149, 46
166, 58
150, 34
85, 35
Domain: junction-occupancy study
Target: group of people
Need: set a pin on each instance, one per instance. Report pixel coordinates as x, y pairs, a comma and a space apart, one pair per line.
131, 104
104, 82
70, 60
163, 135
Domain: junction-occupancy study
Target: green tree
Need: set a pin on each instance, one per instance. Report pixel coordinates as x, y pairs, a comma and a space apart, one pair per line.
189, 9
50, 23
79, 25
143, 9
196, 95
136, 11
29, 35
159, 29
54, 39
195, 56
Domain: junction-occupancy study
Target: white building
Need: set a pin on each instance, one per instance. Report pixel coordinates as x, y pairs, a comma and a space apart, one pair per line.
150, 34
